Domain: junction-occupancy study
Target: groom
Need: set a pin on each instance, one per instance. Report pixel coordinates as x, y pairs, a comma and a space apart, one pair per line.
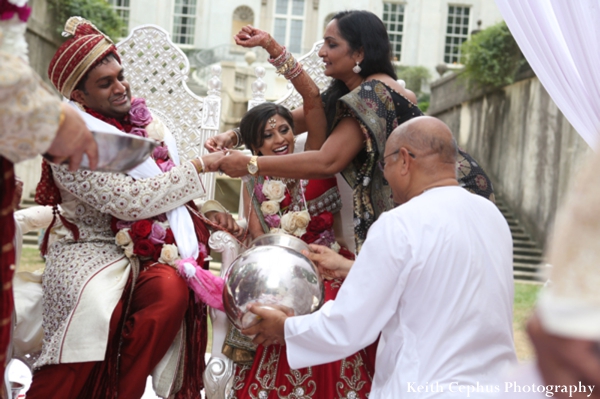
116, 309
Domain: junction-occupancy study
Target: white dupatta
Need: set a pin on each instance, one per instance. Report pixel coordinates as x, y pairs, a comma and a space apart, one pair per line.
179, 218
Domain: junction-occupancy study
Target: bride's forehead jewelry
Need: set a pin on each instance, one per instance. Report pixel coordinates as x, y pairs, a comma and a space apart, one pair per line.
273, 123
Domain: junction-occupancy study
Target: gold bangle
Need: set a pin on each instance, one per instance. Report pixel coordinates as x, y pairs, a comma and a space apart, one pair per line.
61, 118
199, 168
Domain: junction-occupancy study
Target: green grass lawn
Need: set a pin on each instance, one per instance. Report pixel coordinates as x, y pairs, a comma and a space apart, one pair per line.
525, 297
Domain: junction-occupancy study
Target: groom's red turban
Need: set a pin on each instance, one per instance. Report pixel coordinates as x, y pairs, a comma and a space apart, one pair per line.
78, 54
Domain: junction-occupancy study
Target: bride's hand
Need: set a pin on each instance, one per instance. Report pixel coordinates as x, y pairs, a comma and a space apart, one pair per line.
221, 141
252, 37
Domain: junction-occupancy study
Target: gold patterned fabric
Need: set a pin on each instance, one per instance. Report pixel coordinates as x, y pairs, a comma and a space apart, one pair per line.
29, 112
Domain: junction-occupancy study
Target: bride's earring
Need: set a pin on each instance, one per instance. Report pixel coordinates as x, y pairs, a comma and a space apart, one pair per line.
356, 68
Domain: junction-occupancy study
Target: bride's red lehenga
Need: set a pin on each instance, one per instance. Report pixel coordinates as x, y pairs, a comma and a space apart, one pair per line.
269, 375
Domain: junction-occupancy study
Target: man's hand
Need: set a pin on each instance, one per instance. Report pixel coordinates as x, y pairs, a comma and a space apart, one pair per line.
235, 164
565, 361
226, 221
270, 329
330, 263
73, 139
221, 141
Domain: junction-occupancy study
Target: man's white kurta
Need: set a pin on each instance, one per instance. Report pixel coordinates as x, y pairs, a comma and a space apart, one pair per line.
435, 278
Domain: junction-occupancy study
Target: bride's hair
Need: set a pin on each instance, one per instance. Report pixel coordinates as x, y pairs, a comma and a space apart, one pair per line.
252, 125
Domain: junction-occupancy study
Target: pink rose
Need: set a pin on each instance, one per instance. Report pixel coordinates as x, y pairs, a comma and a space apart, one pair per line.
121, 224
158, 234
259, 194
166, 166
138, 131
160, 152
139, 114
272, 220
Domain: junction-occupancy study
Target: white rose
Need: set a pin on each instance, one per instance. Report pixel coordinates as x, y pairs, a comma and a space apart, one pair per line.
274, 190
269, 208
295, 222
129, 250
156, 130
123, 238
169, 254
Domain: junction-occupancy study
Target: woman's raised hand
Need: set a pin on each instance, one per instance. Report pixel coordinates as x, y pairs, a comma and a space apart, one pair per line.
253, 37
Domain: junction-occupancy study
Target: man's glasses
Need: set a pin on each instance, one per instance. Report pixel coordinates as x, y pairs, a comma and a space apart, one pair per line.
381, 162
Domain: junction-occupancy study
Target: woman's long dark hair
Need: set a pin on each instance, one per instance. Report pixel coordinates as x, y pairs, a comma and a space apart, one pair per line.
252, 125
362, 30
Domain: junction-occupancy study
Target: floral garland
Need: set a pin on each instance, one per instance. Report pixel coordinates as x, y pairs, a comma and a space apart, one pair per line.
274, 200
149, 238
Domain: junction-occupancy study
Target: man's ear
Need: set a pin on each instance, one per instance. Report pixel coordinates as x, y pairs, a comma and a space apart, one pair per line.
406, 161
78, 96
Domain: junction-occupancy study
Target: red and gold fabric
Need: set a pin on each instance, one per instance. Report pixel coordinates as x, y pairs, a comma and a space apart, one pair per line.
269, 374
75, 57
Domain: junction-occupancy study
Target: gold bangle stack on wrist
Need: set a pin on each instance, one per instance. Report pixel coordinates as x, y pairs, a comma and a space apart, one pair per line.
287, 65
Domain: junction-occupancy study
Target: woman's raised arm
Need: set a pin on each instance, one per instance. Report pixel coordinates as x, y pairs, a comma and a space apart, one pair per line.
291, 69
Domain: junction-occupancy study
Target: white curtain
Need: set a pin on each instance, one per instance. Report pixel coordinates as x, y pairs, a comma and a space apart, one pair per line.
561, 41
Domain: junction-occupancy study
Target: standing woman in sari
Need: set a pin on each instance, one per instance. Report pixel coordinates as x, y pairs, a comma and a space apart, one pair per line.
363, 105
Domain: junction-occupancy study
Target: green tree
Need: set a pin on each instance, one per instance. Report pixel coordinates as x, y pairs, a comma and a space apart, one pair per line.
99, 12
491, 57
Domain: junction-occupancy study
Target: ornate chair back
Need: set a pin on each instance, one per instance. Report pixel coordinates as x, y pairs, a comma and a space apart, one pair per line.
157, 70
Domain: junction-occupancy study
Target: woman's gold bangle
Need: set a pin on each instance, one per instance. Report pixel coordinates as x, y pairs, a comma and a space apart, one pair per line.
61, 118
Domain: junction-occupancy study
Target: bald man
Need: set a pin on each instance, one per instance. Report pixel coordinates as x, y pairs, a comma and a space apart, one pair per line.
434, 277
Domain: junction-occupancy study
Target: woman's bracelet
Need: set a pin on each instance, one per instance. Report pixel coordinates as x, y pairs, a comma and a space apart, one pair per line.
61, 118
238, 136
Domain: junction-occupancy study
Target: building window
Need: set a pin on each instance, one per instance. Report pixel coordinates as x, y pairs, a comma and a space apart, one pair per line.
121, 7
289, 21
393, 19
457, 32
184, 21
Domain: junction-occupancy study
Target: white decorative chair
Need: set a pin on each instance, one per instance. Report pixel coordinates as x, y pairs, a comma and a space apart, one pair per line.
157, 70
219, 370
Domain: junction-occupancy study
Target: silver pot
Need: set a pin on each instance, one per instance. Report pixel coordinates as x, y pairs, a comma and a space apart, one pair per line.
272, 272
120, 152
117, 152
